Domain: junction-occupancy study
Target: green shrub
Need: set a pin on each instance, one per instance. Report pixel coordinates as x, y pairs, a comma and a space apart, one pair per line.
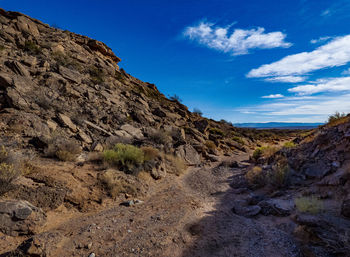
32, 48
289, 145
264, 151
216, 131
238, 140
124, 156
311, 205
2, 48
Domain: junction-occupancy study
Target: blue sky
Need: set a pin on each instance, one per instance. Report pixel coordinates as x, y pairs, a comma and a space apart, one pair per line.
243, 61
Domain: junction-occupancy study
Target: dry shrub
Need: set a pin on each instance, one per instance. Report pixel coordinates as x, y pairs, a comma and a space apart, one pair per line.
337, 119
150, 153
177, 165
264, 151
63, 149
116, 183
160, 137
210, 145
10, 168
255, 176
311, 205
280, 174
95, 157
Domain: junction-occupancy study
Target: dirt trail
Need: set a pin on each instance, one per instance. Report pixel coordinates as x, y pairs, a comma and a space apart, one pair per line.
182, 216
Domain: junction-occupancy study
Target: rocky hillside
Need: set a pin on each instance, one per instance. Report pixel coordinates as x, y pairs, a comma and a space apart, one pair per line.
307, 181
79, 135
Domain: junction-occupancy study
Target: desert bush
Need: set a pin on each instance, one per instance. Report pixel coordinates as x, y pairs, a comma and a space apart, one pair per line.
124, 156
280, 174
2, 48
8, 173
63, 149
210, 145
264, 151
31, 47
150, 153
289, 145
117, 184
160, 137
311, 204
175, 98
255, 176
178, 165
238, 140
216, 131
66, 61
197, 111
337, 118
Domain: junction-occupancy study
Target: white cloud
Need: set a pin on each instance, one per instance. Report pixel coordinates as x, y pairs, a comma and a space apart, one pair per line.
288, 79
273, 96
323, 85
302, 109
238, 42
334, 53
320, 40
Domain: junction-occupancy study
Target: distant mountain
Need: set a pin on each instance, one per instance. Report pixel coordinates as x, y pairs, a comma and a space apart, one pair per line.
278, 125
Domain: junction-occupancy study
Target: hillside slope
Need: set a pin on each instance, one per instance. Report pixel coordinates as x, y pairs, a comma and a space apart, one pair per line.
64, 101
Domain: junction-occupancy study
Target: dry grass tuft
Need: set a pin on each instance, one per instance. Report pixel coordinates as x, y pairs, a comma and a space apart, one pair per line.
311, 205
150, 153
117, 184
176, 165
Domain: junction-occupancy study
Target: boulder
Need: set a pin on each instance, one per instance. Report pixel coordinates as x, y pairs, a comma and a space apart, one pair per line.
70, 74
20, 217
316, 170
67, 122
189, 154
276, 207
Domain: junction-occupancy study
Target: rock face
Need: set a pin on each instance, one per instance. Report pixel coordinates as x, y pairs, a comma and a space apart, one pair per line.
20, 218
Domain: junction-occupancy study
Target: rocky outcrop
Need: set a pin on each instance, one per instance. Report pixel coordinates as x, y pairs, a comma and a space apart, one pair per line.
20, 218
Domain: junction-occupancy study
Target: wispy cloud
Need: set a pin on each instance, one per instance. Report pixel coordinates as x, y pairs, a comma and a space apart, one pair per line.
273, 96
238, 42
334, 53
323, 85
286, 79
306, 109
320, 40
